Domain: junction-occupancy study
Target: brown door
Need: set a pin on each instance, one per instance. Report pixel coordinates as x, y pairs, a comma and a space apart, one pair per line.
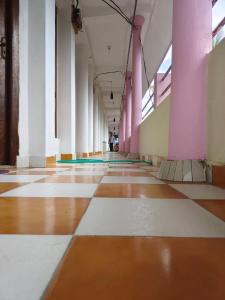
9, 81
3, 83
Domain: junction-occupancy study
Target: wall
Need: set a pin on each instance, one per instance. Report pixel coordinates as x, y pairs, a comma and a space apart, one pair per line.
216, 105
154, 131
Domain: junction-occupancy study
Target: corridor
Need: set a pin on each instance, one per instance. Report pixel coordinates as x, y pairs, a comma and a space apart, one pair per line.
109, 231
112, 150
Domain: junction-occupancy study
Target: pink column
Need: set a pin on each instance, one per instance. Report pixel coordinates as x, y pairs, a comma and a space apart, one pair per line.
128, 111
192, 41
124, 122
136, 84
120, 136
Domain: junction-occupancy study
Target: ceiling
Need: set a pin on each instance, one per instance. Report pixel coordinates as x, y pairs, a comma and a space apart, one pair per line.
108, 35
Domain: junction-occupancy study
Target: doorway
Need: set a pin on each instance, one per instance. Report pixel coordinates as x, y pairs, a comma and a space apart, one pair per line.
9, 81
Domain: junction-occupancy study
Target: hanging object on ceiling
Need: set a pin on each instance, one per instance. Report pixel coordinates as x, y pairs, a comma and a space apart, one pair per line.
76, 18
109, 48
114, 120
111, 94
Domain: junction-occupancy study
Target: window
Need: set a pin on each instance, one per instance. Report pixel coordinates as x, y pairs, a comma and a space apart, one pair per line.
218, 21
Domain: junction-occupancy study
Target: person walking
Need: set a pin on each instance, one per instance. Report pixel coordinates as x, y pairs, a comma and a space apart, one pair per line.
111, 141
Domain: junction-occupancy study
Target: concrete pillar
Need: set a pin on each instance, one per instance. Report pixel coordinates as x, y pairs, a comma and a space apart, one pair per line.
66, 83
124, 123
90, 107
102, 127
82, 127
128, 111
192, 41
41, 81
136, 85
122, 132
120, 136
96, 118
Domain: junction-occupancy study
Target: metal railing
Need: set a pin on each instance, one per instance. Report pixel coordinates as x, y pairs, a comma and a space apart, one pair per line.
146, 104
218, 27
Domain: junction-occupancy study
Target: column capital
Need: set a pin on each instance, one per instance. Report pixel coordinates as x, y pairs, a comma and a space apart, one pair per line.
138, 22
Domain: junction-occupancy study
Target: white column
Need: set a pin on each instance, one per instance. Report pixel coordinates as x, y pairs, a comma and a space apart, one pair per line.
106, 132
99, 123
23, 130
96, 118
90, 107
41, 81
66, 82
82, 99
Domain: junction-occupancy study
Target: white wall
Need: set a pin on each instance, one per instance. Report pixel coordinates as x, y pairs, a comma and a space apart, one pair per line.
154, 131
216, 105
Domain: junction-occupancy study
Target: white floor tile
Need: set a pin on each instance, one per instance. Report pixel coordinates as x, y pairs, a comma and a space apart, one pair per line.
53, 190
28, 263
200, 191
149, 217
48, 169
67, 164
94, 167
21, 178
83, 173
122, 165
125, 170
131, 179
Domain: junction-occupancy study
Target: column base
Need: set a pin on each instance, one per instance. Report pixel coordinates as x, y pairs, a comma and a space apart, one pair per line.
83, 155
98, 153
133, 156
35, 161
68, 156
183, 170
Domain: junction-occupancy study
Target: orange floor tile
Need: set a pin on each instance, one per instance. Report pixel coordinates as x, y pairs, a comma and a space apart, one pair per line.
141, 268
138, 191
30, 172
41, 215
4, 187
217, 207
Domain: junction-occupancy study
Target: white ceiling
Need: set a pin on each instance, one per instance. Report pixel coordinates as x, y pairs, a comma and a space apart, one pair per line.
103, 27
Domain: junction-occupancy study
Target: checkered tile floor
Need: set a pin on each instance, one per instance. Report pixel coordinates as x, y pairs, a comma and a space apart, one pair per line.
109, 231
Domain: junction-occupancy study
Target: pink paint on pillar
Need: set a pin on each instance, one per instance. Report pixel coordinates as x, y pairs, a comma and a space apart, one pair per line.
136, 85
120, 137
128, 111
192, 41
124, 123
